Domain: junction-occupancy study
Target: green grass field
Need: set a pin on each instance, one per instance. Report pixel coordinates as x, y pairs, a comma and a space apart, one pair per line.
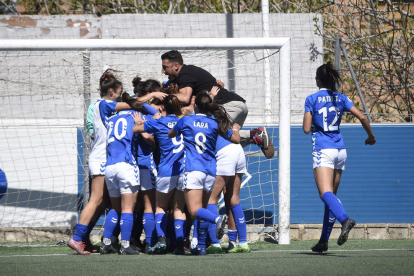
356, 257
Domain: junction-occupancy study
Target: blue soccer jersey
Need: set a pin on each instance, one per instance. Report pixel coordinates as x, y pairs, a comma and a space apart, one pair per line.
120, 137
327, 108
200, 134
172, 149
144, 153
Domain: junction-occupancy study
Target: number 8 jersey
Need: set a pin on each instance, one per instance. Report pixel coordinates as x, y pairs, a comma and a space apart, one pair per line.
327, 108
200, 137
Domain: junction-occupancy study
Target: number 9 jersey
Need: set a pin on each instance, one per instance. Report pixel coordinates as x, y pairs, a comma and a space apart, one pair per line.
327, 108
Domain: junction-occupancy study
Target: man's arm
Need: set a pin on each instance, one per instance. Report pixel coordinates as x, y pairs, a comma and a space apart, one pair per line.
185, 95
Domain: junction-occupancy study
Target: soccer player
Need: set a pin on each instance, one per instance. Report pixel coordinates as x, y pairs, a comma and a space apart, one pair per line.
192, 80
144, 90
323, 113
169, 180
200, 134
111, 89
122, 179
231, 164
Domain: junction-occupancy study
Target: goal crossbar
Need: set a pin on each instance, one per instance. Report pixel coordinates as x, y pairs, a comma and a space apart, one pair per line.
281, 43
142, 44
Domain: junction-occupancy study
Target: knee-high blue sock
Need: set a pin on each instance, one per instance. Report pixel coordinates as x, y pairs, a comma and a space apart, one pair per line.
335, 206
212, 226
116, 233
161, 224
80, 232
148, 220
202, 233
171, 230
88, 233
206, 215
240, 221
127, 222
111, 222
179, 225
195, 231
328, 223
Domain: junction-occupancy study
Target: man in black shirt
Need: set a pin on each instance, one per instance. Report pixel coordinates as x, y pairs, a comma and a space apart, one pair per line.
192, 80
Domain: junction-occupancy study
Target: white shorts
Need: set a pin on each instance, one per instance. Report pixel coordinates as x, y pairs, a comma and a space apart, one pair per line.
97, 168
147, 179
331, 158
196, 180
168, 183
122, 178
230, 160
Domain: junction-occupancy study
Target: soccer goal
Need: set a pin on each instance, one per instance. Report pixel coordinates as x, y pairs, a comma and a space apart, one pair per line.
47, 86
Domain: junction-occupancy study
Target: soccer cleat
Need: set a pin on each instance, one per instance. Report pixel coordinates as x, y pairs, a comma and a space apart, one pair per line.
240, 249
135, 246
231, 247
107, 249
159, 248
90, 247
220, 224
214, 250
347, 225
128, 251
320, 247
262, 139
179, 249
78, 247
147, 248
198, 251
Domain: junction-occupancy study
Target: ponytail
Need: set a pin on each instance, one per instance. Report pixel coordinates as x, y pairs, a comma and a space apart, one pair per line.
133, 103
328, 76
173, 106
171, 89
206, 105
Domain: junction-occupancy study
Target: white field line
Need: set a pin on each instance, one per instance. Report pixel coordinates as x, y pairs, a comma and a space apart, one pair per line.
336, 250
258, 251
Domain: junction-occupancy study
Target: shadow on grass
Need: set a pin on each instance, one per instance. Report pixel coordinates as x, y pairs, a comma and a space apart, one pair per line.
320, 254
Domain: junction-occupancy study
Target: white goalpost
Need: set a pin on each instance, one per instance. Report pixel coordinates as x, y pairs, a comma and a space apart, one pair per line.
282, 118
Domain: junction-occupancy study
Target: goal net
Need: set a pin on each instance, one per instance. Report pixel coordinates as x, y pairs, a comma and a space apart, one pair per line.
45, 145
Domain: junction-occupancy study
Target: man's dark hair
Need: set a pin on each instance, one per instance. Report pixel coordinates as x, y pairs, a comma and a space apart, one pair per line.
173, 56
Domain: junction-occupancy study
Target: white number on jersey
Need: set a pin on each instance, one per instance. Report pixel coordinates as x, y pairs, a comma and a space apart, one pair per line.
179, 144
201, 147
117, 135
325, 118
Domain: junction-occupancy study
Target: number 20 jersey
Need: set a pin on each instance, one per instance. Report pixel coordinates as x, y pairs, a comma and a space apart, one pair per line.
327, 108
120, 147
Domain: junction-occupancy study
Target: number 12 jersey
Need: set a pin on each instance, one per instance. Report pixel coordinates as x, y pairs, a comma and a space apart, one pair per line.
327, 108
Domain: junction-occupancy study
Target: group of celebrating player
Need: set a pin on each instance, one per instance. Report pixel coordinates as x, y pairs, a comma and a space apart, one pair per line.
180, 145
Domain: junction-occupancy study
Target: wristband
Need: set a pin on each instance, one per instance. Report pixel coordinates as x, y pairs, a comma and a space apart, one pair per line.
235, 129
